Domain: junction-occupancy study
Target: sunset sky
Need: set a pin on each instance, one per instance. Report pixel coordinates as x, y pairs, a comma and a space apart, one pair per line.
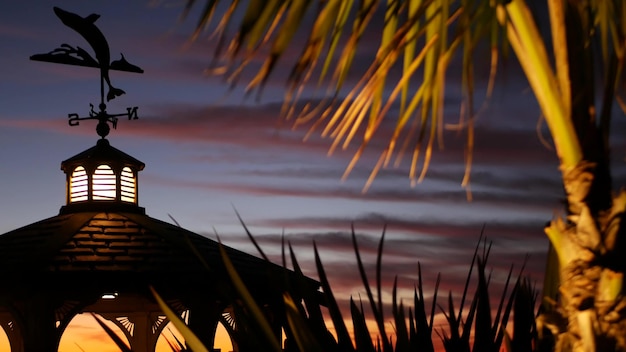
208, 150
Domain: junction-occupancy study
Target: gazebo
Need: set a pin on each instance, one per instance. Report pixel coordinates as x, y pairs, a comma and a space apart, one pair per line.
102, 253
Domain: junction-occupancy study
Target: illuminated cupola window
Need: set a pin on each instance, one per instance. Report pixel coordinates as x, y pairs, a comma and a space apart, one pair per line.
103, 183
128, 185
78, 185
102, 178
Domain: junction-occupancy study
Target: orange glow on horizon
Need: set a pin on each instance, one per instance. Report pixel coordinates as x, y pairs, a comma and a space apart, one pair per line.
84, 334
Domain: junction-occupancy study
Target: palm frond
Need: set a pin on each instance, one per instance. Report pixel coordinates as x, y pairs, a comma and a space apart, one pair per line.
191, 339
408, 27
531, 53
118, 341
344, 340
378, 313
256, 313
305, 338
362, 337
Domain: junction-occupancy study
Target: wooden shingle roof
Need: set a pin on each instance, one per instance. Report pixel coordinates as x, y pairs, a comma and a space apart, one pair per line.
86, 244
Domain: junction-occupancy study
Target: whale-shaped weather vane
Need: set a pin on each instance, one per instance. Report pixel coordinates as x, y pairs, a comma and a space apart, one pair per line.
77, 56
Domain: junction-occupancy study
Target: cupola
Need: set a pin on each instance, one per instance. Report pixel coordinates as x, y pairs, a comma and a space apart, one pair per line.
101, 178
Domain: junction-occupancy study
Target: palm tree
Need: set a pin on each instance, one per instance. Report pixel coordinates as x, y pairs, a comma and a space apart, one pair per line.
584, 307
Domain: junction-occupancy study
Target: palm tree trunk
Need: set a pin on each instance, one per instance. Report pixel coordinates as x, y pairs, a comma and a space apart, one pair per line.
590, 313
591, 310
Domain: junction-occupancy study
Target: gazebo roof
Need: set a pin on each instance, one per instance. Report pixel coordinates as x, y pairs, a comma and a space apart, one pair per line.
96, 245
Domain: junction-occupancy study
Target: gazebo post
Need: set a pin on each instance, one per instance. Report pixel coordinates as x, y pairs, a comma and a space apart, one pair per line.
278, 319
38, 324
8, 323
204, 316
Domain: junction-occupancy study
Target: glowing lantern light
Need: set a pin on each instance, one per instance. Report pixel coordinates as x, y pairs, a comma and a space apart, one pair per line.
78, 185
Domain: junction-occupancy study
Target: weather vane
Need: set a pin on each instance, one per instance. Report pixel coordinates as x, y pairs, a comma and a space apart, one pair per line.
77, 56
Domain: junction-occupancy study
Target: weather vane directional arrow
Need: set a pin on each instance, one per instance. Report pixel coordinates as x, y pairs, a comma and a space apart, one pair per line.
77, 56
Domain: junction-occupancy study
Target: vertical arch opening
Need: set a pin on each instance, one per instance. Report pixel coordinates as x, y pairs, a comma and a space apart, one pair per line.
128, 186
103, 183
170, 335
223, 340
84, 334
78, 185
5, 345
